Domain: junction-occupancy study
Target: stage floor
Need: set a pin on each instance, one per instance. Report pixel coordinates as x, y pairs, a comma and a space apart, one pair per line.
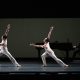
31, 67
33, 70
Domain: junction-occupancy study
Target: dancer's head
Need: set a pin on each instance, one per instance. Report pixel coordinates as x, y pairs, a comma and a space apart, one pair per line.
46, 40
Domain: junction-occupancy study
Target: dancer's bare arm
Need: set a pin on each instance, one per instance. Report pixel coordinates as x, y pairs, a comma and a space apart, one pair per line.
49, 34
36, 45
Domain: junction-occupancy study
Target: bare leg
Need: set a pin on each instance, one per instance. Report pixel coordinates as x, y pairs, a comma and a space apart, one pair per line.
43, 56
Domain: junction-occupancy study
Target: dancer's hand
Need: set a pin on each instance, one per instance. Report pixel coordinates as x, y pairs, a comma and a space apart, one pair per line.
74, 46
31, 44
8, 26
51, 27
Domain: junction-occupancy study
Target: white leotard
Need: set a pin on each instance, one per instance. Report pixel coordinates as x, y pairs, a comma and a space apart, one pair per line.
5, 44
47, 48
3, 48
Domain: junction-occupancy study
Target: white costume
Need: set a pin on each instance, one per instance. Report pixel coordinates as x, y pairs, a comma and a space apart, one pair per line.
50, 52
4, 50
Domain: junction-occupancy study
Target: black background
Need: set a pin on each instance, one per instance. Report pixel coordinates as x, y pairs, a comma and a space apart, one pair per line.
40, 9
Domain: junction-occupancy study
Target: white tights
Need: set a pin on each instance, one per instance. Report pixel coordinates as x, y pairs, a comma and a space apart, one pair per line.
44, 55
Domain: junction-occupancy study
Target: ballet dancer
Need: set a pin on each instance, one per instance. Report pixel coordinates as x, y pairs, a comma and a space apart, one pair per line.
4, 49
49, 51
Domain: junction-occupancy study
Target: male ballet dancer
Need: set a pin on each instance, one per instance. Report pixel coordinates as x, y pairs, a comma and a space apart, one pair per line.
49, 51
4, 49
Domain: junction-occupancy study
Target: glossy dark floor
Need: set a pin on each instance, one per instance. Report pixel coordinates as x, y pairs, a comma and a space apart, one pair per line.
34, 70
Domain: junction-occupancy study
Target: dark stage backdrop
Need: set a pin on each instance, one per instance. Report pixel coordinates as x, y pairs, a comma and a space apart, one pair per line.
26, 30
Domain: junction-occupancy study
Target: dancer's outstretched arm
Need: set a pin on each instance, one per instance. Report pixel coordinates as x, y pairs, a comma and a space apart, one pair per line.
49, 34
36, 45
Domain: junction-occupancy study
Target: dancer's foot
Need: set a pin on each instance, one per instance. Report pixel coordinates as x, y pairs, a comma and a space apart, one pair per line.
44, 65
17, 65
66, 66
